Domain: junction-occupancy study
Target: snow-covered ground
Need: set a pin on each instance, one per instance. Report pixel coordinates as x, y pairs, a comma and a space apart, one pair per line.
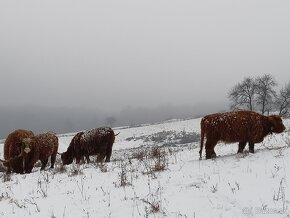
173, 184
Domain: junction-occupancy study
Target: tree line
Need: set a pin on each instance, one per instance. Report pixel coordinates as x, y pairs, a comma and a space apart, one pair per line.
260, 94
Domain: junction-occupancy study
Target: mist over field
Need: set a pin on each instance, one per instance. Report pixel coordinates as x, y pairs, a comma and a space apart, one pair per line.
63, 120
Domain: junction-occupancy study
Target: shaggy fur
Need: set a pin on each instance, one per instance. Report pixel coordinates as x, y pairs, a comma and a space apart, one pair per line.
241, 126
97, 141
40, 147
12, 149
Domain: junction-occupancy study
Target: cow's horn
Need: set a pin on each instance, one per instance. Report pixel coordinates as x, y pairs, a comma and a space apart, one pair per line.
118, 133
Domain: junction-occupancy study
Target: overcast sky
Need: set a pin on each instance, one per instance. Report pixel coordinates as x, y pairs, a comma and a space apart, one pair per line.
126, 53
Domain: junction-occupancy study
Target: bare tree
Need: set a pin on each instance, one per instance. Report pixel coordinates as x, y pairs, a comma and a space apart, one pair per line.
242, 95
111, 121
283, 100
265, 92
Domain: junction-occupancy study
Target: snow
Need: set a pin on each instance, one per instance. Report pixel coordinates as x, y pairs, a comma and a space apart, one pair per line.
88, 134
239, 186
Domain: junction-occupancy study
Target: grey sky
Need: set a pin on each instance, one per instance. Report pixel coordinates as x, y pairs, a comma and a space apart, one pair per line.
114, 54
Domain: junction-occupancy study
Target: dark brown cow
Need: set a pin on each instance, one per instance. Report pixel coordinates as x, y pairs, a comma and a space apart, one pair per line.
241, 126
98, 141
39, 147
12, 149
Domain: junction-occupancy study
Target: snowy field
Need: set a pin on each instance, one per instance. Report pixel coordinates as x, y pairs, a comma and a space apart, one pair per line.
143, 180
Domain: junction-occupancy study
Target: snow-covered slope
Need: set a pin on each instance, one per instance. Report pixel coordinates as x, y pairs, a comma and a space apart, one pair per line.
171, 183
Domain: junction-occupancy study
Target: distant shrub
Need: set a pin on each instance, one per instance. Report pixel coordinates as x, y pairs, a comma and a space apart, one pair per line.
161, 136
187, 137
169, 138
156, 160
123, 175
140, 154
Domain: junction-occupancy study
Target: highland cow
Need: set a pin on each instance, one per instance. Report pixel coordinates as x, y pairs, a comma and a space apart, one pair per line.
12, 149
241, 126
39, 147
98, 141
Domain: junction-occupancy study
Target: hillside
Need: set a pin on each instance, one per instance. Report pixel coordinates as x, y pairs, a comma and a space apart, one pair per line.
144, 180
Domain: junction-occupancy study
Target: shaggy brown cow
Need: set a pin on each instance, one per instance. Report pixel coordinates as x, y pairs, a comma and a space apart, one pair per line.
97, 141
12, 149
39, 147
74, 150
241, 126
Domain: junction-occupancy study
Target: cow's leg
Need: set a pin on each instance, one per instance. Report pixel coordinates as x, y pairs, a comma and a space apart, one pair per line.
82, 160
209, 149
52, 160
26, 165
15, 164
251, 147
8, 171
28, 168
88, 159
100, 157
108, 153
43, 164
213, 154
242, 145
78, 159
208, 153
9, 165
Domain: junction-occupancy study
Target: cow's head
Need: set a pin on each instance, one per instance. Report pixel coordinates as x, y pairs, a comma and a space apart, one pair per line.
66, 158
26, 146
277, 125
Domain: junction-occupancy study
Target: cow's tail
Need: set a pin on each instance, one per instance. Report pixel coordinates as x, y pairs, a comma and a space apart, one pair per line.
201, 138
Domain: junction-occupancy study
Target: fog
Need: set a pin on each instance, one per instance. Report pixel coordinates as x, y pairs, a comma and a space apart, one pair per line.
63, 120
68, 65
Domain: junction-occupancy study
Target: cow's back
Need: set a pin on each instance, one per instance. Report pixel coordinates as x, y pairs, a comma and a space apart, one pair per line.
232, 126
97, 140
